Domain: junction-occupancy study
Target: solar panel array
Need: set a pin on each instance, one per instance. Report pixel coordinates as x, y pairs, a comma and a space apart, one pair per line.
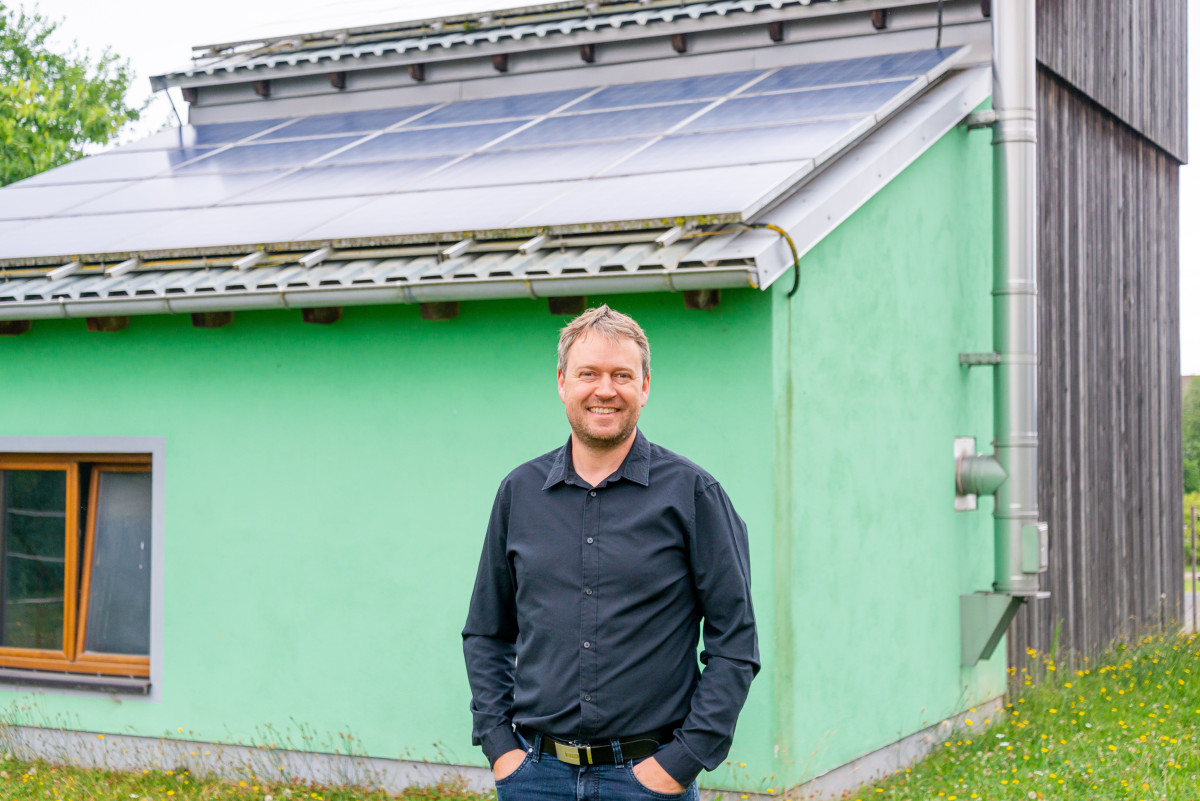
720, 145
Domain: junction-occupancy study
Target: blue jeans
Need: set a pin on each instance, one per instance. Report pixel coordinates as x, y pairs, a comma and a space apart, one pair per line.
541, 777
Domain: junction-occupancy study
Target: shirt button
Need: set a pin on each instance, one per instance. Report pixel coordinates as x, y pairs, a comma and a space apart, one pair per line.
590, 540
587, 697
587, 645
587, 590
593, 493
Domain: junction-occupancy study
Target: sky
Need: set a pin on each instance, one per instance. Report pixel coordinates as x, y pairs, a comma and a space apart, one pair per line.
157, 37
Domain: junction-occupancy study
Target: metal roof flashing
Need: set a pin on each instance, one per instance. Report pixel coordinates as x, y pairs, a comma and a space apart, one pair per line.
463, 30
541, 27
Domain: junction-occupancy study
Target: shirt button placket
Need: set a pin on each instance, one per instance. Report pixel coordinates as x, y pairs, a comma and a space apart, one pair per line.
590, 617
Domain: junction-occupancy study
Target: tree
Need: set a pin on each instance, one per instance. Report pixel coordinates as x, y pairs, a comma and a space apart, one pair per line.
53, 105
1191, 438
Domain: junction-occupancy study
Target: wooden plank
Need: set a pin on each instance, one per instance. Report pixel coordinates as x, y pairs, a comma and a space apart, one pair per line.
107, 324
1108, 401
1131, 58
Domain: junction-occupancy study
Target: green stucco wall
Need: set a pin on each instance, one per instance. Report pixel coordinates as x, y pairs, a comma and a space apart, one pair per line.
326, 489
869, 398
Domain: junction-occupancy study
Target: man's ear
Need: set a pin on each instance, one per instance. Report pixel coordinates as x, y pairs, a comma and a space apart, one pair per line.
645, 389
562, 387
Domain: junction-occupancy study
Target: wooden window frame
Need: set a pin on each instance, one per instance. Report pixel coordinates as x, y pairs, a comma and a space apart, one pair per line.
73, 658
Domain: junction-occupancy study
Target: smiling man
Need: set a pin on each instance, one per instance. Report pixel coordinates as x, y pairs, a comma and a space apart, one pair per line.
602, 563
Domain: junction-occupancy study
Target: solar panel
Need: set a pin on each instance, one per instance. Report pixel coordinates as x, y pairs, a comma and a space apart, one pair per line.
604, 125
68, 236
669, 91
343, 180
268, 155
507, 167
23, 202
217, 133
122, 166
660, 196
782, 143
855, 70
407, 144
489, 207
716, 145
240, 225
500, 108
345, 123
809, 104
177, 192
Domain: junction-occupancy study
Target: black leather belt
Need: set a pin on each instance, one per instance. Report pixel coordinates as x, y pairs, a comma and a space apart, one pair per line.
600, 752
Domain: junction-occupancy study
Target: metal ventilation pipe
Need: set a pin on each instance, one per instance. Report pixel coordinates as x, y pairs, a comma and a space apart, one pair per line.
1020, 540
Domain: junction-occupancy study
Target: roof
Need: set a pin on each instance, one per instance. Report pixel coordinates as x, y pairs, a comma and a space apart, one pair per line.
687, 151
409, 264
547, 20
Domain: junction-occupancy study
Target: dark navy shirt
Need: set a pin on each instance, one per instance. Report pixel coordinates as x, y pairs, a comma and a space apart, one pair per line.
588, 604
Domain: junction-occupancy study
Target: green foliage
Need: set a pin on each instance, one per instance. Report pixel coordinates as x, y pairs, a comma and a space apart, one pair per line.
1190, 501
1191, 438
1125, 727
53, 105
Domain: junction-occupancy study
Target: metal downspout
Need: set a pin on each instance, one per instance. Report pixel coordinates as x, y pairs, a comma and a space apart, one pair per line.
1014, 303
1020, 539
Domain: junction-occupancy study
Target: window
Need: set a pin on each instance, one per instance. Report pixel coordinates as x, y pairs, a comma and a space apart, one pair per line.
75, 563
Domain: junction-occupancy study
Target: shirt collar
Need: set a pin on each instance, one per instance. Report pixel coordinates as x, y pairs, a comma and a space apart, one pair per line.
635, 468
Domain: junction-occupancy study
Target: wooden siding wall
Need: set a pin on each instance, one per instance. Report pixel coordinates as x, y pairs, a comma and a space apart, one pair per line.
1130, 56
1109, 408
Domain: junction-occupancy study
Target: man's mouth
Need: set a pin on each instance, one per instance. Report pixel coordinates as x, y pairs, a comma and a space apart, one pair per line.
602, 410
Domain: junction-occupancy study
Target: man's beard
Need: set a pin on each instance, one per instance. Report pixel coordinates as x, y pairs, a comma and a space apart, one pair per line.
604, 443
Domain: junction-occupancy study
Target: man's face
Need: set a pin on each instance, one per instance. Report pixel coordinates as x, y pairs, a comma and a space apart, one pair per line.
603, 389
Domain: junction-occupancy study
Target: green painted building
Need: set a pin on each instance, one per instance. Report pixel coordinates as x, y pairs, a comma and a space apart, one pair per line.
256, 406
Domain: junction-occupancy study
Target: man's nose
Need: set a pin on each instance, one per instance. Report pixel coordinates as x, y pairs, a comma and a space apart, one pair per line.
606, 388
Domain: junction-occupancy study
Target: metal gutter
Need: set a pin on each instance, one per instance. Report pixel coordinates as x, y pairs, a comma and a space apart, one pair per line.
147, 298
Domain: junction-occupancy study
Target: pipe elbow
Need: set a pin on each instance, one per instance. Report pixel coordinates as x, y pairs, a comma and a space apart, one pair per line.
979, 474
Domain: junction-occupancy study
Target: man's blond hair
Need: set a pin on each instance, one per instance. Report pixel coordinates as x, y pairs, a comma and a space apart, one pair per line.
608, 323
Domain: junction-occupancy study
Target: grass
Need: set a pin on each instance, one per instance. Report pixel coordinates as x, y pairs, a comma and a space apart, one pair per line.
40, 780
1125, 727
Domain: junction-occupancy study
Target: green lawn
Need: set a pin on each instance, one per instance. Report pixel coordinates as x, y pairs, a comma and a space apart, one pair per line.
38, 780
1126, 727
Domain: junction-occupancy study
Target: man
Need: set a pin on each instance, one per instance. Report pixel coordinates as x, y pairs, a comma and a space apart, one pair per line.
601, 559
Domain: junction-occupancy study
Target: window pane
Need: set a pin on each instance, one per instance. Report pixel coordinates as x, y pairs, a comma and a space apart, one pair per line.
118, 615
33, 528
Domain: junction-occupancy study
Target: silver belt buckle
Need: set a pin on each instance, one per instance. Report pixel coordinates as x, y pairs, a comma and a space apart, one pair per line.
570, 754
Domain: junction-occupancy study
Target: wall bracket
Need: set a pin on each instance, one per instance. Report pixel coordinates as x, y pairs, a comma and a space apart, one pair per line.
983, 619
980, 119
978, 359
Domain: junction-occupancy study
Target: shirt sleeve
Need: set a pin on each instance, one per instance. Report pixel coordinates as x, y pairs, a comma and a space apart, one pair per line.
489, 639
720, 560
